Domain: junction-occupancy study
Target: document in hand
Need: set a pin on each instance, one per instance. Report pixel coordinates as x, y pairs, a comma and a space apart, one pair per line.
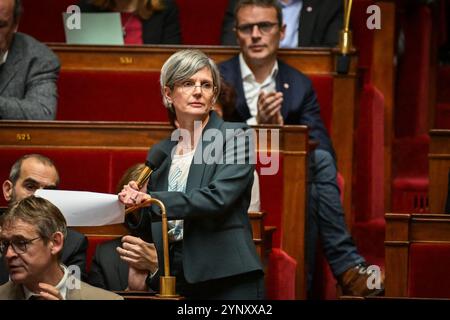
81, 208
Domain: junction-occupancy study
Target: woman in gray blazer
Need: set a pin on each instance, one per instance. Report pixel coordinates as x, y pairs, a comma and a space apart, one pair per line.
205, 183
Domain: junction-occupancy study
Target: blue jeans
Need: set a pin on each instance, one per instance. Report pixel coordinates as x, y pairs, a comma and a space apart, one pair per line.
326, 218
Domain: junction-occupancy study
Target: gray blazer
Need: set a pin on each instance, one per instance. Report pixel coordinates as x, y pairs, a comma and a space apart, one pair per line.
28, 81
217, 235
13, 291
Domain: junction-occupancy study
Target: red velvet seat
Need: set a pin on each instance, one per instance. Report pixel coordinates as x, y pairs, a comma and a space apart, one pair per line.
110, 96
410, 185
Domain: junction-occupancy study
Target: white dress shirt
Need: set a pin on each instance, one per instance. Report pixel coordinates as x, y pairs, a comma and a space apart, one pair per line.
252, 88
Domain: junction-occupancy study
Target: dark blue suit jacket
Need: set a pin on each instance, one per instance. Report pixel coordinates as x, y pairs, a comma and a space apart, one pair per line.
300, 106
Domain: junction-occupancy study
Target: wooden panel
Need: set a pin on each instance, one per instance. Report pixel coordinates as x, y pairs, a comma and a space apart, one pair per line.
439, 167
396, 254
344, 89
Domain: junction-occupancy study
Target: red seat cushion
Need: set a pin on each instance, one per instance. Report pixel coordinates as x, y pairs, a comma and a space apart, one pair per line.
93, 242
201, 21
323, 85
43, 19
428, 270
271, 194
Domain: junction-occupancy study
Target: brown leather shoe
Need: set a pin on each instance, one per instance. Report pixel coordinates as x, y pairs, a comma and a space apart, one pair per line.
354, 282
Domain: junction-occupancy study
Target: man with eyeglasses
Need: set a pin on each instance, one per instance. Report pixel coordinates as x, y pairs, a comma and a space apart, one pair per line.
309, 23
271, 92
31, 240
28, 174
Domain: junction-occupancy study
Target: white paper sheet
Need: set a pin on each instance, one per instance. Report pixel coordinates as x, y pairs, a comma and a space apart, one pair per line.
81, 208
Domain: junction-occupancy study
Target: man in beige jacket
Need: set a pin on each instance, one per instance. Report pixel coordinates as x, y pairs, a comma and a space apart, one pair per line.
32, 236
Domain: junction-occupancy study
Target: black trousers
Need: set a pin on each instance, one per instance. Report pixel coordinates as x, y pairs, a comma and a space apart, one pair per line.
245, 286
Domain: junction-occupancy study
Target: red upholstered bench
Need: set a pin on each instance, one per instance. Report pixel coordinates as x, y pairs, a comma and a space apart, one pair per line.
96, 170
110, 96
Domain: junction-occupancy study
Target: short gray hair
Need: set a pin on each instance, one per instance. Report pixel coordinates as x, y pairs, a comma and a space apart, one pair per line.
39, 212
184, 64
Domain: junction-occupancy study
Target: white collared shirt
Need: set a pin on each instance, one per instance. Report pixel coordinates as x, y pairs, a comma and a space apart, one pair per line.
252, 88
61, 286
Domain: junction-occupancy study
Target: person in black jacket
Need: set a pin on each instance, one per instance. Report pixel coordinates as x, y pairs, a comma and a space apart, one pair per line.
143, 21
205, 182
317, 23
28, 174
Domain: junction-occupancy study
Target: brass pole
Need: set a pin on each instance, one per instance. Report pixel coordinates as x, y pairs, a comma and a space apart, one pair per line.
167, 282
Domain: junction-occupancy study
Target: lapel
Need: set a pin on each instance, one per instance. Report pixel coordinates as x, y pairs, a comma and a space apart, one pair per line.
283, 85
241, 104
196, 170
9, 69
307, 22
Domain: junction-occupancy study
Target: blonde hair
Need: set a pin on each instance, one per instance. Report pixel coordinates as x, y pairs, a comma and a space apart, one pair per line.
145, 8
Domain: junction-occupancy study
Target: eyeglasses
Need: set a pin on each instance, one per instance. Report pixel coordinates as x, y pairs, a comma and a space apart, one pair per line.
189, 86
19, 246
263, 27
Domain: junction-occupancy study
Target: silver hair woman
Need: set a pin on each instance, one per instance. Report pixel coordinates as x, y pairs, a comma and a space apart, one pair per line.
179, 68
213, 255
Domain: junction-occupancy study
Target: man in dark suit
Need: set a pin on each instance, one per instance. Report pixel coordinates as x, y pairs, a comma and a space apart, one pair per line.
271, 92
28, 70
447, 204
310, 23
29, 173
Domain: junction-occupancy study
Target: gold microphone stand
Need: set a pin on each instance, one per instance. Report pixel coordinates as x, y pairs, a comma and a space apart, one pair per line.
167, 282
345, 35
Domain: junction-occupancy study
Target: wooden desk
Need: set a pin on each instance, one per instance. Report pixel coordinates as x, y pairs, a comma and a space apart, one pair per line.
402, 230
439, 167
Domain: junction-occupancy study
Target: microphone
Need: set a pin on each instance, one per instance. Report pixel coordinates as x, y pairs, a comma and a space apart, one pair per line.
154, 160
